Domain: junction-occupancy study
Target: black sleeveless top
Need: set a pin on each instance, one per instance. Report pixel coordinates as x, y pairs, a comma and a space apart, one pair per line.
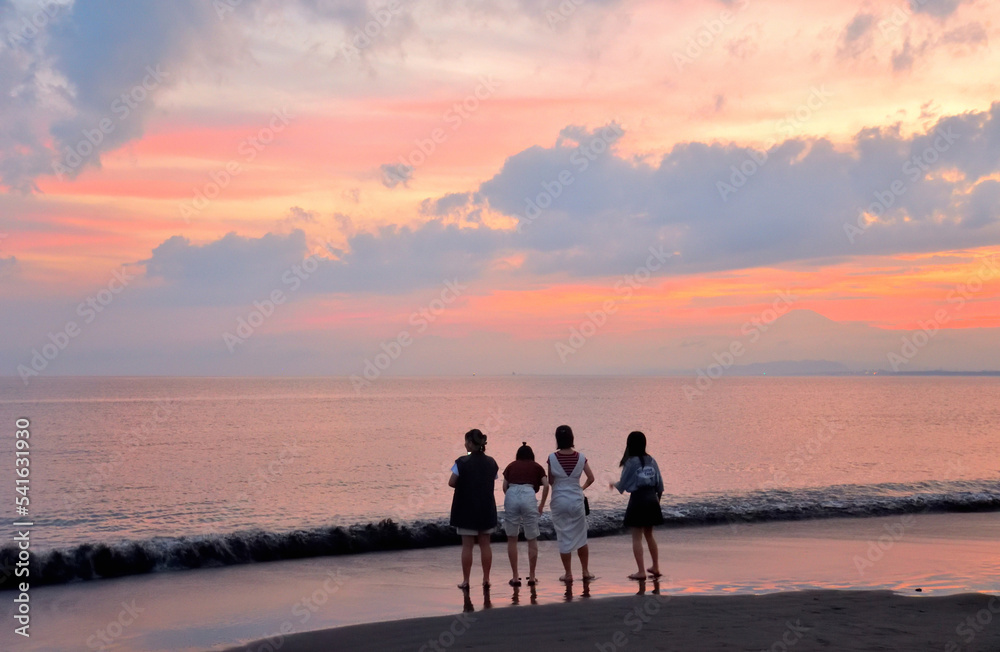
474, 506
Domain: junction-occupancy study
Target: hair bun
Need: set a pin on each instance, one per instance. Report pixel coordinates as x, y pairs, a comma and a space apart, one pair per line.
524, 443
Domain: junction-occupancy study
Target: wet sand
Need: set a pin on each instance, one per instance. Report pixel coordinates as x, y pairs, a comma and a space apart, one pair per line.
802, 620
216, 609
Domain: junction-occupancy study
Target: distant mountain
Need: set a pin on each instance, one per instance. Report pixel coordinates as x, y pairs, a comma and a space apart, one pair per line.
803, 342
790, 368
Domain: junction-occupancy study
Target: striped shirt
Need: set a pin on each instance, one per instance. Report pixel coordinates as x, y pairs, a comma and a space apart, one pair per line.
568, 461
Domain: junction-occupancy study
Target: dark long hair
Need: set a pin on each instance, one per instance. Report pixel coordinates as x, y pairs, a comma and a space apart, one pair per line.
635, 446
477, 438
564, 437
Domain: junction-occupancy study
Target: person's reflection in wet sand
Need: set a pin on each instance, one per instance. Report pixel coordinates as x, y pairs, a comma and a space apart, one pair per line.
642, 587
467, 606
568, 596
516, 597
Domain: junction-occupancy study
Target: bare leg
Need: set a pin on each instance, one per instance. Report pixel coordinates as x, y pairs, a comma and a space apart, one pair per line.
512, 555
637, 552
654, 552
584, 554
467, 542
532, 558
486, 553
567, 560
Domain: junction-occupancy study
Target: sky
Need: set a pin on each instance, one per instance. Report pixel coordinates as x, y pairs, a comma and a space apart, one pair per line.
352, 188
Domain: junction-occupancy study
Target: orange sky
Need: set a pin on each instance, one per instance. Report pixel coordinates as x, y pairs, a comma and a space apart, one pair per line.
464, 95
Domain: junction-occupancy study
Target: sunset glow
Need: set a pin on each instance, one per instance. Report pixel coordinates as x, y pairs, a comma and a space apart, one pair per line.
844, 153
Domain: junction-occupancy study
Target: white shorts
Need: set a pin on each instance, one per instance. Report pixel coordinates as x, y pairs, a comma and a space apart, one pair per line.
520, 510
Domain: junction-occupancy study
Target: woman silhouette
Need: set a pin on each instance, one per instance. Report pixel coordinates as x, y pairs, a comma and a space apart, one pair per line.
569, 518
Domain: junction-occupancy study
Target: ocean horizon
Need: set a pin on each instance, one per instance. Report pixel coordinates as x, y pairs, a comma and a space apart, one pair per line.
140, 475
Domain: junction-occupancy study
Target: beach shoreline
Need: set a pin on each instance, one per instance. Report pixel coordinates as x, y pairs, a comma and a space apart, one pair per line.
943, 555
799, 620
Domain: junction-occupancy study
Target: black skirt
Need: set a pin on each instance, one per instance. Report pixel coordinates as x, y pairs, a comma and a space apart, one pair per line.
643, 508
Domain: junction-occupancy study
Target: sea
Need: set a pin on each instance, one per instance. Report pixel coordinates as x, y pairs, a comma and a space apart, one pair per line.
136, 476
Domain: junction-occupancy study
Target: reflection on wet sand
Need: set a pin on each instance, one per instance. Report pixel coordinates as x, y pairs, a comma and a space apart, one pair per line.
467, 605
642, 587
568, 596
515, 599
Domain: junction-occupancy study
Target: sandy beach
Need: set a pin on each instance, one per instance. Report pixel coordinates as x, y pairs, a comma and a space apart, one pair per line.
790, 586
745, 582
802, 620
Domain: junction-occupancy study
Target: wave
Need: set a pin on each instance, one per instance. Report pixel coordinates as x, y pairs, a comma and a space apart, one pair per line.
109, 560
